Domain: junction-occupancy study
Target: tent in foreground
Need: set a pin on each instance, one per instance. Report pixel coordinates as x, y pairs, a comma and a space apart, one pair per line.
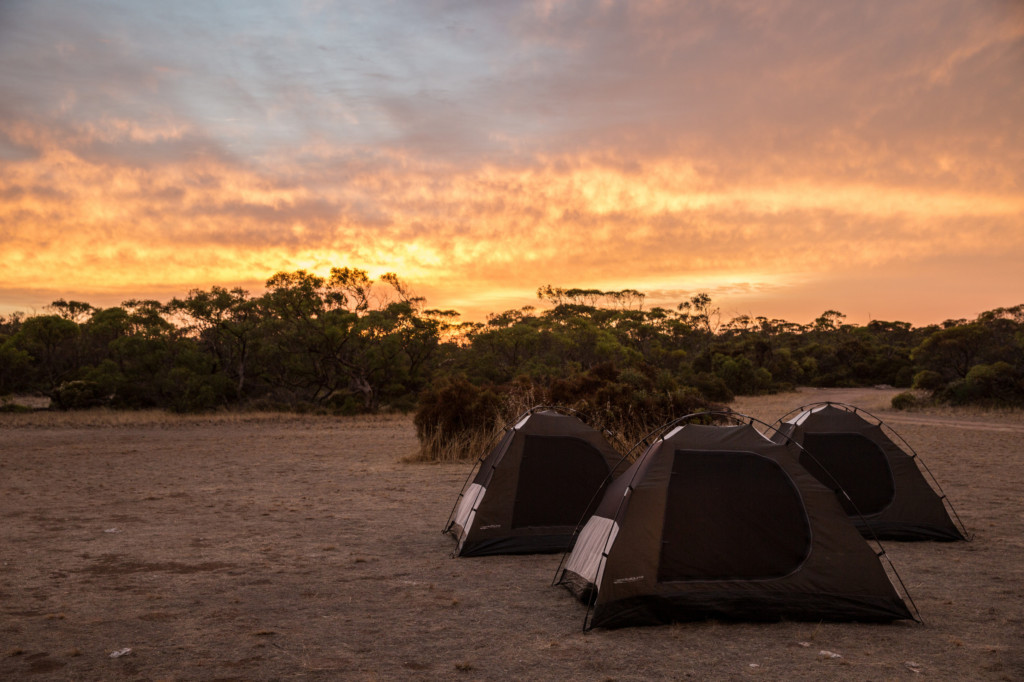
534, 488
886, 494
720, 522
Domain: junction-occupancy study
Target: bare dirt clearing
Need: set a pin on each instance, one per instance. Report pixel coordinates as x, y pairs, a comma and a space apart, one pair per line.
302, 547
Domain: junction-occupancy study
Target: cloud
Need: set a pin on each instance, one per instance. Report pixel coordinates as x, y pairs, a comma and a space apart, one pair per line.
208, 221
480, 150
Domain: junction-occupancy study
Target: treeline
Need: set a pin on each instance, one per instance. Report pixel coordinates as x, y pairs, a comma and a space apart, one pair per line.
343, 343
348, 344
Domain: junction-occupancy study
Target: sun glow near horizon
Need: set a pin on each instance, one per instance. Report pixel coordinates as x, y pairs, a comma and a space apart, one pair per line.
494, 228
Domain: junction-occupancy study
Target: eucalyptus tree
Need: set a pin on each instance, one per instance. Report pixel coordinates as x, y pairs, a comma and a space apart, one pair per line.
226, 323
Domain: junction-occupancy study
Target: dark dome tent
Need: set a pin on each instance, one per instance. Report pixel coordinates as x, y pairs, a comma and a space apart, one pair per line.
886, 493
534, 488
720, 522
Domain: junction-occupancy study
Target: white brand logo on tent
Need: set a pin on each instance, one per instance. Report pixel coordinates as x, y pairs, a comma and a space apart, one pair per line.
635, 578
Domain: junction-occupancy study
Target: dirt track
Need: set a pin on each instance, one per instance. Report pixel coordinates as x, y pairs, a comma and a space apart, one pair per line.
303, 548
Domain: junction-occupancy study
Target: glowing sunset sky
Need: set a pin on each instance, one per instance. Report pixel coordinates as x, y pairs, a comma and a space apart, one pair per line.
785, 157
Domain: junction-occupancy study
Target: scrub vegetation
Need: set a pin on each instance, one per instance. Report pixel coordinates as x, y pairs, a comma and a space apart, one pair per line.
347, 344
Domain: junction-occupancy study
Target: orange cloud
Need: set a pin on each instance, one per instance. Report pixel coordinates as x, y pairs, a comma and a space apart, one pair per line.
472, 236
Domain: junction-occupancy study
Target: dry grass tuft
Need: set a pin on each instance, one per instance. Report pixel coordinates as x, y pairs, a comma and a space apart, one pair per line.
103, 417
440, 447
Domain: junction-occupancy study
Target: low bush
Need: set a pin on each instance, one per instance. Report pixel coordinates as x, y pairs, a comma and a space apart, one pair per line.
995, 385
905, 401
79, 395
928, 380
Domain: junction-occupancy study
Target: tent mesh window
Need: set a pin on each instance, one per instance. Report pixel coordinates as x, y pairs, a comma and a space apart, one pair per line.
855, 463
559, 477
731, 516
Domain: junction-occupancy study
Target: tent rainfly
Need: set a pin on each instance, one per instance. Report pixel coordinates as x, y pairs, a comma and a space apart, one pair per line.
534, 488
720, 522
879, 485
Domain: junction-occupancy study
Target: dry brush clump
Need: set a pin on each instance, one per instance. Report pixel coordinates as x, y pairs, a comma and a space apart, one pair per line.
460, 420
455, 418
629, 404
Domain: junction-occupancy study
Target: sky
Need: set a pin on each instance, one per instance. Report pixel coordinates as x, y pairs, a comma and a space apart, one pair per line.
785, 157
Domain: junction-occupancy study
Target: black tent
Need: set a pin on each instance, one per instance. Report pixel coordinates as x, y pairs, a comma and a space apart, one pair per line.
879, 484
719, 521
534, 487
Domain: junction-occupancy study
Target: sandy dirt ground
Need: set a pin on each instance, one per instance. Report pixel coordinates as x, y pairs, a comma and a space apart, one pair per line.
264, 548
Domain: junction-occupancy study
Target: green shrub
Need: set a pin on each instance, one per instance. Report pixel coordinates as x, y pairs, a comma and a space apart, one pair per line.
79, 395
13, 407
185, 391
994, 385
928, 380
904, 377
345, 404
904, 401
713, 387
